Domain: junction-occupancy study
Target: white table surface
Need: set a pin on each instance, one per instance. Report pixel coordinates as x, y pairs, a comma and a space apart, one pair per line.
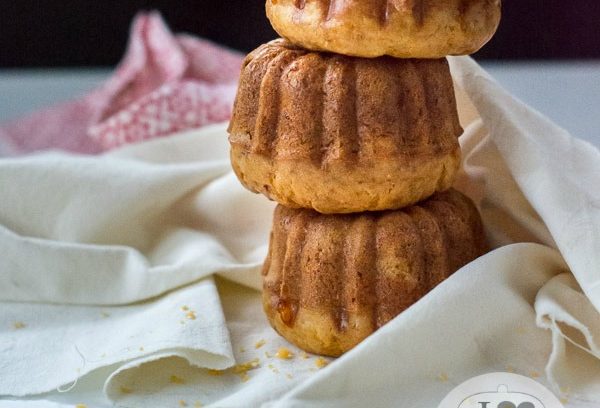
567, 92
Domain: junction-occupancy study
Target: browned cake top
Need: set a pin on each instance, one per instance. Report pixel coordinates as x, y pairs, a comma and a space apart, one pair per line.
383, 10
378, 263
294, 103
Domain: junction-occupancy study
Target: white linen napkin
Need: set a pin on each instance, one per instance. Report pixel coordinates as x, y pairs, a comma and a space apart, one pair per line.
108, 244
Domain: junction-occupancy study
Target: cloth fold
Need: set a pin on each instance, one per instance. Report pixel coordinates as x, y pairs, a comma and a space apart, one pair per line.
129, 227
107, 266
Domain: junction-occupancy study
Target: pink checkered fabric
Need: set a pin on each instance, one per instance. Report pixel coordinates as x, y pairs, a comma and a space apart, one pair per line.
165, 84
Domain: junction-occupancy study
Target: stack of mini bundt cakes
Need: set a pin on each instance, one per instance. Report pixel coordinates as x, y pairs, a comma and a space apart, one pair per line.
350, 124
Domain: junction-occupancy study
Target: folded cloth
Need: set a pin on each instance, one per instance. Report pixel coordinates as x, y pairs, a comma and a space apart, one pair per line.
133, 228
562, 308
107, 278
165, 84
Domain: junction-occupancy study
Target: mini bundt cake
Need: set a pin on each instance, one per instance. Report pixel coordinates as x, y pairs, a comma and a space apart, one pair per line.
341, 134
400, 28
331, 280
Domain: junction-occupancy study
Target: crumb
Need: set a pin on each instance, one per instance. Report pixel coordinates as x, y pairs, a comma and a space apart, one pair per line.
244, 367
443, 377
104, 314
564, 400
260, 343
534, 374
284, 353
312, 369
321, 362
141, 348
182, 403
521, 330
191, 315
305, 355
125, 390
19, 325
214, 372
176, 380
185, 308
289, 376
80, 406
268, 355
242, 350
197, 404
509, 369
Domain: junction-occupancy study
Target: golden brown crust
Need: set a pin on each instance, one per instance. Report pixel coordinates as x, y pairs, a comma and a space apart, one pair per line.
340, 188
342, 134
400, 28
331, 280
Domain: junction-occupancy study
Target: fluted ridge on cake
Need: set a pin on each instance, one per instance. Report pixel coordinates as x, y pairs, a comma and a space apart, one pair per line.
294, 103
354, 273
341, 134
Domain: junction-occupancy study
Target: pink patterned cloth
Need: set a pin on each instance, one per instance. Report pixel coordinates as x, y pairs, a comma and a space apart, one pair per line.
165, 84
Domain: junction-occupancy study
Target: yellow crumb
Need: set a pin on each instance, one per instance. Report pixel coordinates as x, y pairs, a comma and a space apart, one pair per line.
321, 362
242, 350
521, 330
289, 376
284, 353
197, 404
244, 367
176, 380
185, 308
191, 315
19, 325
125, 390
214, 372
260, 343
534, 374
564, 400
443, 377
104, 314
182, 403
305, 355
268, 355
509, 369
80, 406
